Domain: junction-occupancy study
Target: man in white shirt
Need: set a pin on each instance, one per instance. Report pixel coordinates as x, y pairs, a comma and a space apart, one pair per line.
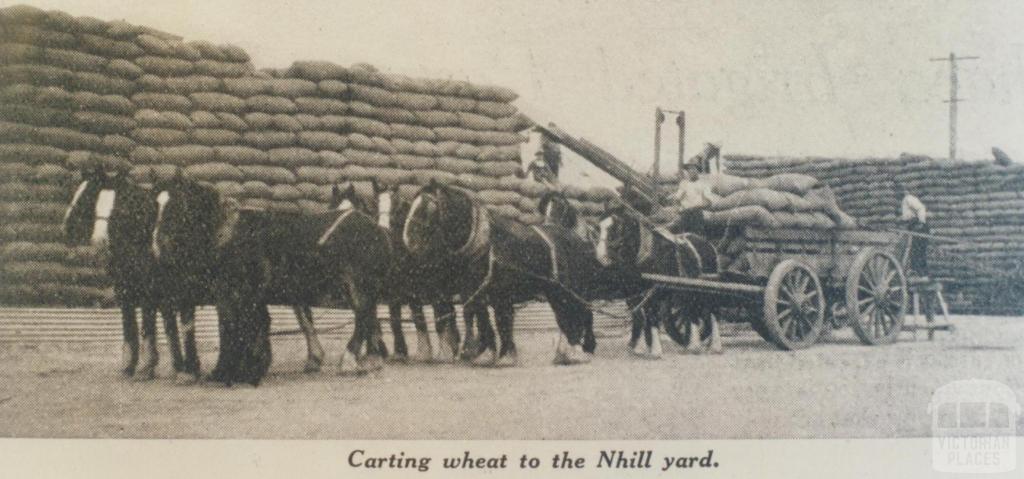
694, 196
914, 216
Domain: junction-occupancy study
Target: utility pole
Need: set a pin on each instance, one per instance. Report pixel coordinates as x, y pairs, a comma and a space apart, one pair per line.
953, 99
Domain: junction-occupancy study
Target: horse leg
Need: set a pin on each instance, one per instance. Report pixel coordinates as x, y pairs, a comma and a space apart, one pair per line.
374, 359
348, 365
716, 340
589, 340
223, 371
485, 353
424, 352
654, 322
395, 317
148, 353
470, 344
314, 351
190, 366
168, 312
637, 323
572, 318
444, 323
130, 348
504, 313
261, 352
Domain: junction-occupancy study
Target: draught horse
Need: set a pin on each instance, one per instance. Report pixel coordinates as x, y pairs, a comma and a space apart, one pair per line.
117, 216
386, 205
466, 251
626, 243
184, 245
260, 258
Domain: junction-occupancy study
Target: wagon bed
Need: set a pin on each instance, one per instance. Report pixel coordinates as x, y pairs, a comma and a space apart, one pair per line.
799, 281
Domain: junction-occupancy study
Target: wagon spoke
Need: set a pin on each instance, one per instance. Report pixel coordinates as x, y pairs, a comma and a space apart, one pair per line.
889, 275
868, 311
868, 280
804, 283
790, 328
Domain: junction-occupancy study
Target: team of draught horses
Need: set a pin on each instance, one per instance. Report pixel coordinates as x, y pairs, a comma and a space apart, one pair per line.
178, 244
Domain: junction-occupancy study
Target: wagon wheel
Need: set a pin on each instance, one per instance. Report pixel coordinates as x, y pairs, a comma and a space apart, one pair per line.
876, 297
794, 306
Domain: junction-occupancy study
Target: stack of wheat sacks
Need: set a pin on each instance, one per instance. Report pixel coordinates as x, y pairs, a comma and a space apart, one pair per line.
77, 91
977, 203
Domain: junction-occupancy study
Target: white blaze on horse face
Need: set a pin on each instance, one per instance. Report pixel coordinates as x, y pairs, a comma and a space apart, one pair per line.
161, 203
74, 199
104, 206
416, 205
384, 210
602, 242
345, 205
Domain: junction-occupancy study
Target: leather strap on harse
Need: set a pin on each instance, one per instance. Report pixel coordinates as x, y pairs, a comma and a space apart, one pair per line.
479, 234
646, 245
681, 241
551, 247
330, 231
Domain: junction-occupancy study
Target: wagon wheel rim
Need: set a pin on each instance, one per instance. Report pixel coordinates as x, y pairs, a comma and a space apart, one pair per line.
877, 297
794, 306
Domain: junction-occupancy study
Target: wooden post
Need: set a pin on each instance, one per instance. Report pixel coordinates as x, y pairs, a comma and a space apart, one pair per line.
681, 121
659, 118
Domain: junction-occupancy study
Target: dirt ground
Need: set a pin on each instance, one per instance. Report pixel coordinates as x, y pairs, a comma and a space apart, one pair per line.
835, 389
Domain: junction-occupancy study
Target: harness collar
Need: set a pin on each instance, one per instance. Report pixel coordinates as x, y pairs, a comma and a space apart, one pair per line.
479, 235
330, 231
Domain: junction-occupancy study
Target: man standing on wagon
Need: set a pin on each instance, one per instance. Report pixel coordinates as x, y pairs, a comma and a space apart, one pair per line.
914, 216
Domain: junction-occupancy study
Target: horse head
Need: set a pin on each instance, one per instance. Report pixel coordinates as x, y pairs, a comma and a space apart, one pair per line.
347, 198
87, 219
440, 221
619, 237
188, 214
556, 209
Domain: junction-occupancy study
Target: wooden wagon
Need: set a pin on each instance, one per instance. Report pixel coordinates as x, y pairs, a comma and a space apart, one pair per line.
795, 283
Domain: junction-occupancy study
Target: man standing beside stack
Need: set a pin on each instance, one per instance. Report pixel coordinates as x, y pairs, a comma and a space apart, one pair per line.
914, 216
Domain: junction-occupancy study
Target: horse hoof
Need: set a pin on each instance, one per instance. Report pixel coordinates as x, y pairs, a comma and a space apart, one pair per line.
637, 349
444, 356
349, 366
143, 375
182, 378
401, 358
372, 363
507, 361
485, 359
312, 366
578, 356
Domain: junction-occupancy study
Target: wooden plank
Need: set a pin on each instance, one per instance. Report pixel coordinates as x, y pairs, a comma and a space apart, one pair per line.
703, 285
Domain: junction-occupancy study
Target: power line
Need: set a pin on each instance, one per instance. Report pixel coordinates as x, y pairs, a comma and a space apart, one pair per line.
953, 98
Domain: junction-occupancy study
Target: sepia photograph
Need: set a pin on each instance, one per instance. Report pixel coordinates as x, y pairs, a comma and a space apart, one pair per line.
516, 221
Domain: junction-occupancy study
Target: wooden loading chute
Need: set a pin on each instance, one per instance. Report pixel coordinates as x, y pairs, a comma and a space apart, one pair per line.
640, 184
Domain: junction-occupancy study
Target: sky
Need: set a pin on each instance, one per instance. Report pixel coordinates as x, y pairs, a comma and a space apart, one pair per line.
788, 78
